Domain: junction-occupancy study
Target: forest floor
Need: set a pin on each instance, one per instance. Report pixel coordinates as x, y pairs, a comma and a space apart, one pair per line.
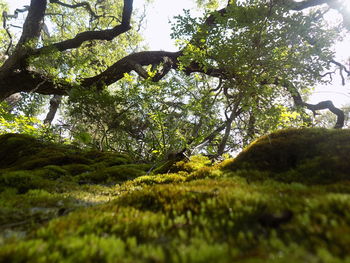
285, 198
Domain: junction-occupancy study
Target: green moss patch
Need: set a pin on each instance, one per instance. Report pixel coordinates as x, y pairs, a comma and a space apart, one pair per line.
227, 219
15, 147
112, 175
23, 152
303, 155
264, 206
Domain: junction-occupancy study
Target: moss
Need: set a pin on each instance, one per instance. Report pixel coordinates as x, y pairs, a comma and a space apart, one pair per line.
59, 159
20, 214
15, 147
99, 156
179, 177
239, 211
197, 221
165, 167
108, 158
23, 181
75, 169
114, 174
305, 155
161, 179
140, 166
193, 164
52, 172
22, 152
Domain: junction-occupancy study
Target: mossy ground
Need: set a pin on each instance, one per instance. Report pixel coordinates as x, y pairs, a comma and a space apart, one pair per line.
241, 210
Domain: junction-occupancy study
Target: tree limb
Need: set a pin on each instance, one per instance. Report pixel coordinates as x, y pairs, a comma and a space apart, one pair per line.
31, 32
341, 69
33, 23
15, 14
335, 4
54, 104
26, 81
7, 52
126, 65
319, 106
234, 113
107, 34
29, 81
86, 5
330, 106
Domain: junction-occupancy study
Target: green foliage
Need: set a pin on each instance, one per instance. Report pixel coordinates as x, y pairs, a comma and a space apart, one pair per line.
22, 121
70, 66
10, 123
30, 104
4, 42
91, 57
147, 120
263, 50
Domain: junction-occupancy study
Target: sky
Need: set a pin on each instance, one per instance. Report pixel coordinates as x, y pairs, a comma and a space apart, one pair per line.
159, 13
157, 35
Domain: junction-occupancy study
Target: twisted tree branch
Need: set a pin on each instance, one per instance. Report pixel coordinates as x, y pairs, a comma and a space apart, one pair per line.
319, 106
107, 34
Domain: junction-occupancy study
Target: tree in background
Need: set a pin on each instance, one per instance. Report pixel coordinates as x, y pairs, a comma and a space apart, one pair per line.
240, 71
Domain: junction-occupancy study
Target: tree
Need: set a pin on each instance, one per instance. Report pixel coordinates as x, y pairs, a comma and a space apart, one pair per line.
258, 55
326, 119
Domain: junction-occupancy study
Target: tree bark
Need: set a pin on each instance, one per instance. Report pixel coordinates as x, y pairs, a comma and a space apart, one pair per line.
222, 145
12, 101
54, 104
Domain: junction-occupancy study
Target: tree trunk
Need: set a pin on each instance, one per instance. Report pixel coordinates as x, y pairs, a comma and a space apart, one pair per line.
54, 104
12, 101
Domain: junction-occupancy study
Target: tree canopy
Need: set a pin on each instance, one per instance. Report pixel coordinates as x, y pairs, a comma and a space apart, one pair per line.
242, 69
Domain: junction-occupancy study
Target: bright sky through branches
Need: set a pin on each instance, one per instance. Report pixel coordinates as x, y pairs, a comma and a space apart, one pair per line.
157, 35
157, 28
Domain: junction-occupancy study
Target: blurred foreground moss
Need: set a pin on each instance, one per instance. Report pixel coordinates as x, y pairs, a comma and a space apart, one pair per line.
259, 207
